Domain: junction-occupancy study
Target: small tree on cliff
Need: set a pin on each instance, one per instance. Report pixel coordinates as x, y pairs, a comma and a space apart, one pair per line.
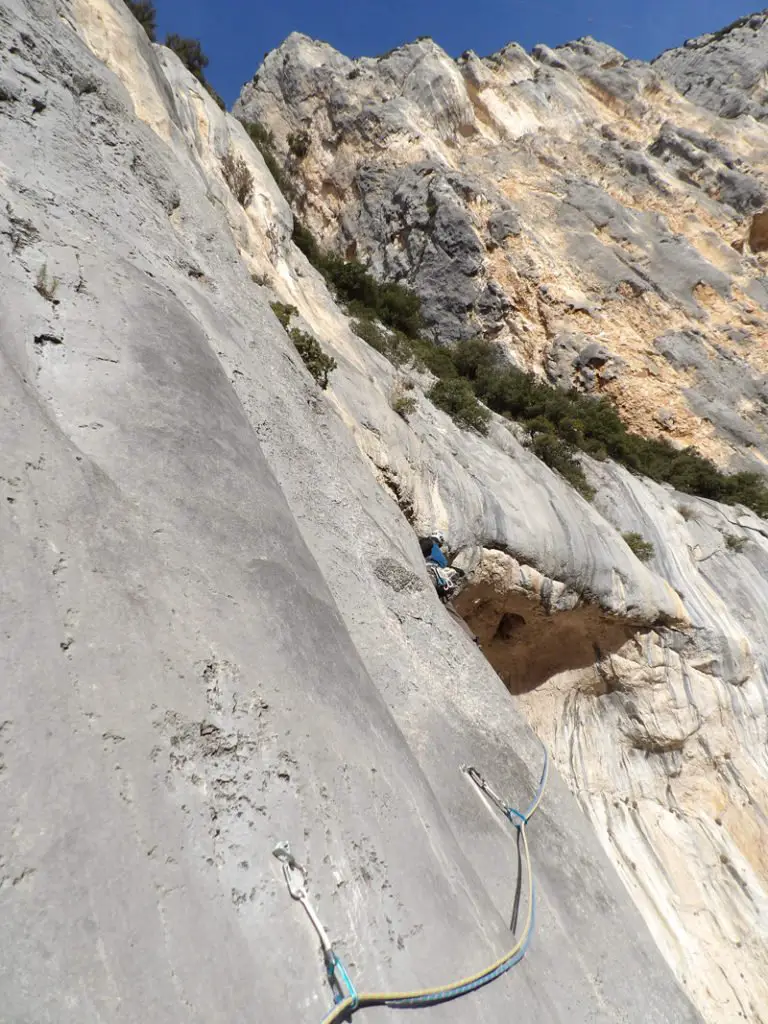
189, 52
144, 12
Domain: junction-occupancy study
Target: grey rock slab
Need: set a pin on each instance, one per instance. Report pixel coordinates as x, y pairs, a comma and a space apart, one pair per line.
758, 291
632, 230
182, 686
669, 262
707, 163
723, 71
504, 224
414, 226
719, 376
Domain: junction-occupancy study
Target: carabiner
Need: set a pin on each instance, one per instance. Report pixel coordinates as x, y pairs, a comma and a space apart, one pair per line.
291, 869
483, 786
476, 777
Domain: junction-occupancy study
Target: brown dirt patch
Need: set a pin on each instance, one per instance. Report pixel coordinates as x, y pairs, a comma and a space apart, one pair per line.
528, 645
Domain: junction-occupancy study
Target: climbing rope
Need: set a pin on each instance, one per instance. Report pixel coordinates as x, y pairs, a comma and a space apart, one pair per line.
348, 999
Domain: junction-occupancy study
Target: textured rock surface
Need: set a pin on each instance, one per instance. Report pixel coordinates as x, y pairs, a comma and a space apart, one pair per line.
680, 790
530, 198
217, 627
200, 655
724, 71
574, 205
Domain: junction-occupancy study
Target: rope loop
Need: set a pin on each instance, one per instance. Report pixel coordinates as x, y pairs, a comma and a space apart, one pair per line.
346, 997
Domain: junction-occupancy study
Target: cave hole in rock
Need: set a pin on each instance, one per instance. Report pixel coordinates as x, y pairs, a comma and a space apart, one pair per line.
527, 645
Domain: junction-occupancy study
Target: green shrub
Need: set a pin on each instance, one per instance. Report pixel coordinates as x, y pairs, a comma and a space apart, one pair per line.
401, 403
392, 303
304, 239
283, 311
264, 141
401, 348
688, 512
146, 15
643, 549
559, 455
432, 357
388, 53
46, 286
400, 307
746, 489
350, 280
734, 543
393, 344
593, 425
238, 177
218, 100
721, 32
190, 53
316, 361
260, 135
456, 397
475, 359
372, 334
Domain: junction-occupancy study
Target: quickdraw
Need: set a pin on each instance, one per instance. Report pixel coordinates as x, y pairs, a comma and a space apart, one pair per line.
347, 999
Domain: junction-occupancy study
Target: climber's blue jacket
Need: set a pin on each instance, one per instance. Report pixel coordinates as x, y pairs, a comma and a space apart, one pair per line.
437, 556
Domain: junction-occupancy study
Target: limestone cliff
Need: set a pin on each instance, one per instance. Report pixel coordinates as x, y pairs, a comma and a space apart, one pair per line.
575, 206
724, 71
552, 201
182, 688
218, 631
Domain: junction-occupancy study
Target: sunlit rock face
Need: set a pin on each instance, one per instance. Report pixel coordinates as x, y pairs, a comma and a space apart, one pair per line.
604, 220
218, 629
724, 71
566, 202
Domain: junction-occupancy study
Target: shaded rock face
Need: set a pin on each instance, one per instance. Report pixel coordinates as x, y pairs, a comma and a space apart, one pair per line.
528, 198
420, 214
532, 628
758, 232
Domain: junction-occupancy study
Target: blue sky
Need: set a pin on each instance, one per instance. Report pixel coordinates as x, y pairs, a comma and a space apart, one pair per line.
235, 34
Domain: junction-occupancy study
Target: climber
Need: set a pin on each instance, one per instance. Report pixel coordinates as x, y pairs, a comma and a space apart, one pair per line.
444, 577
432, 549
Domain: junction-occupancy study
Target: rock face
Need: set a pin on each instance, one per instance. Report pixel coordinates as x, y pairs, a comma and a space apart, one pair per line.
575, 206
182, 685
724, 71
537, 199
218, 631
